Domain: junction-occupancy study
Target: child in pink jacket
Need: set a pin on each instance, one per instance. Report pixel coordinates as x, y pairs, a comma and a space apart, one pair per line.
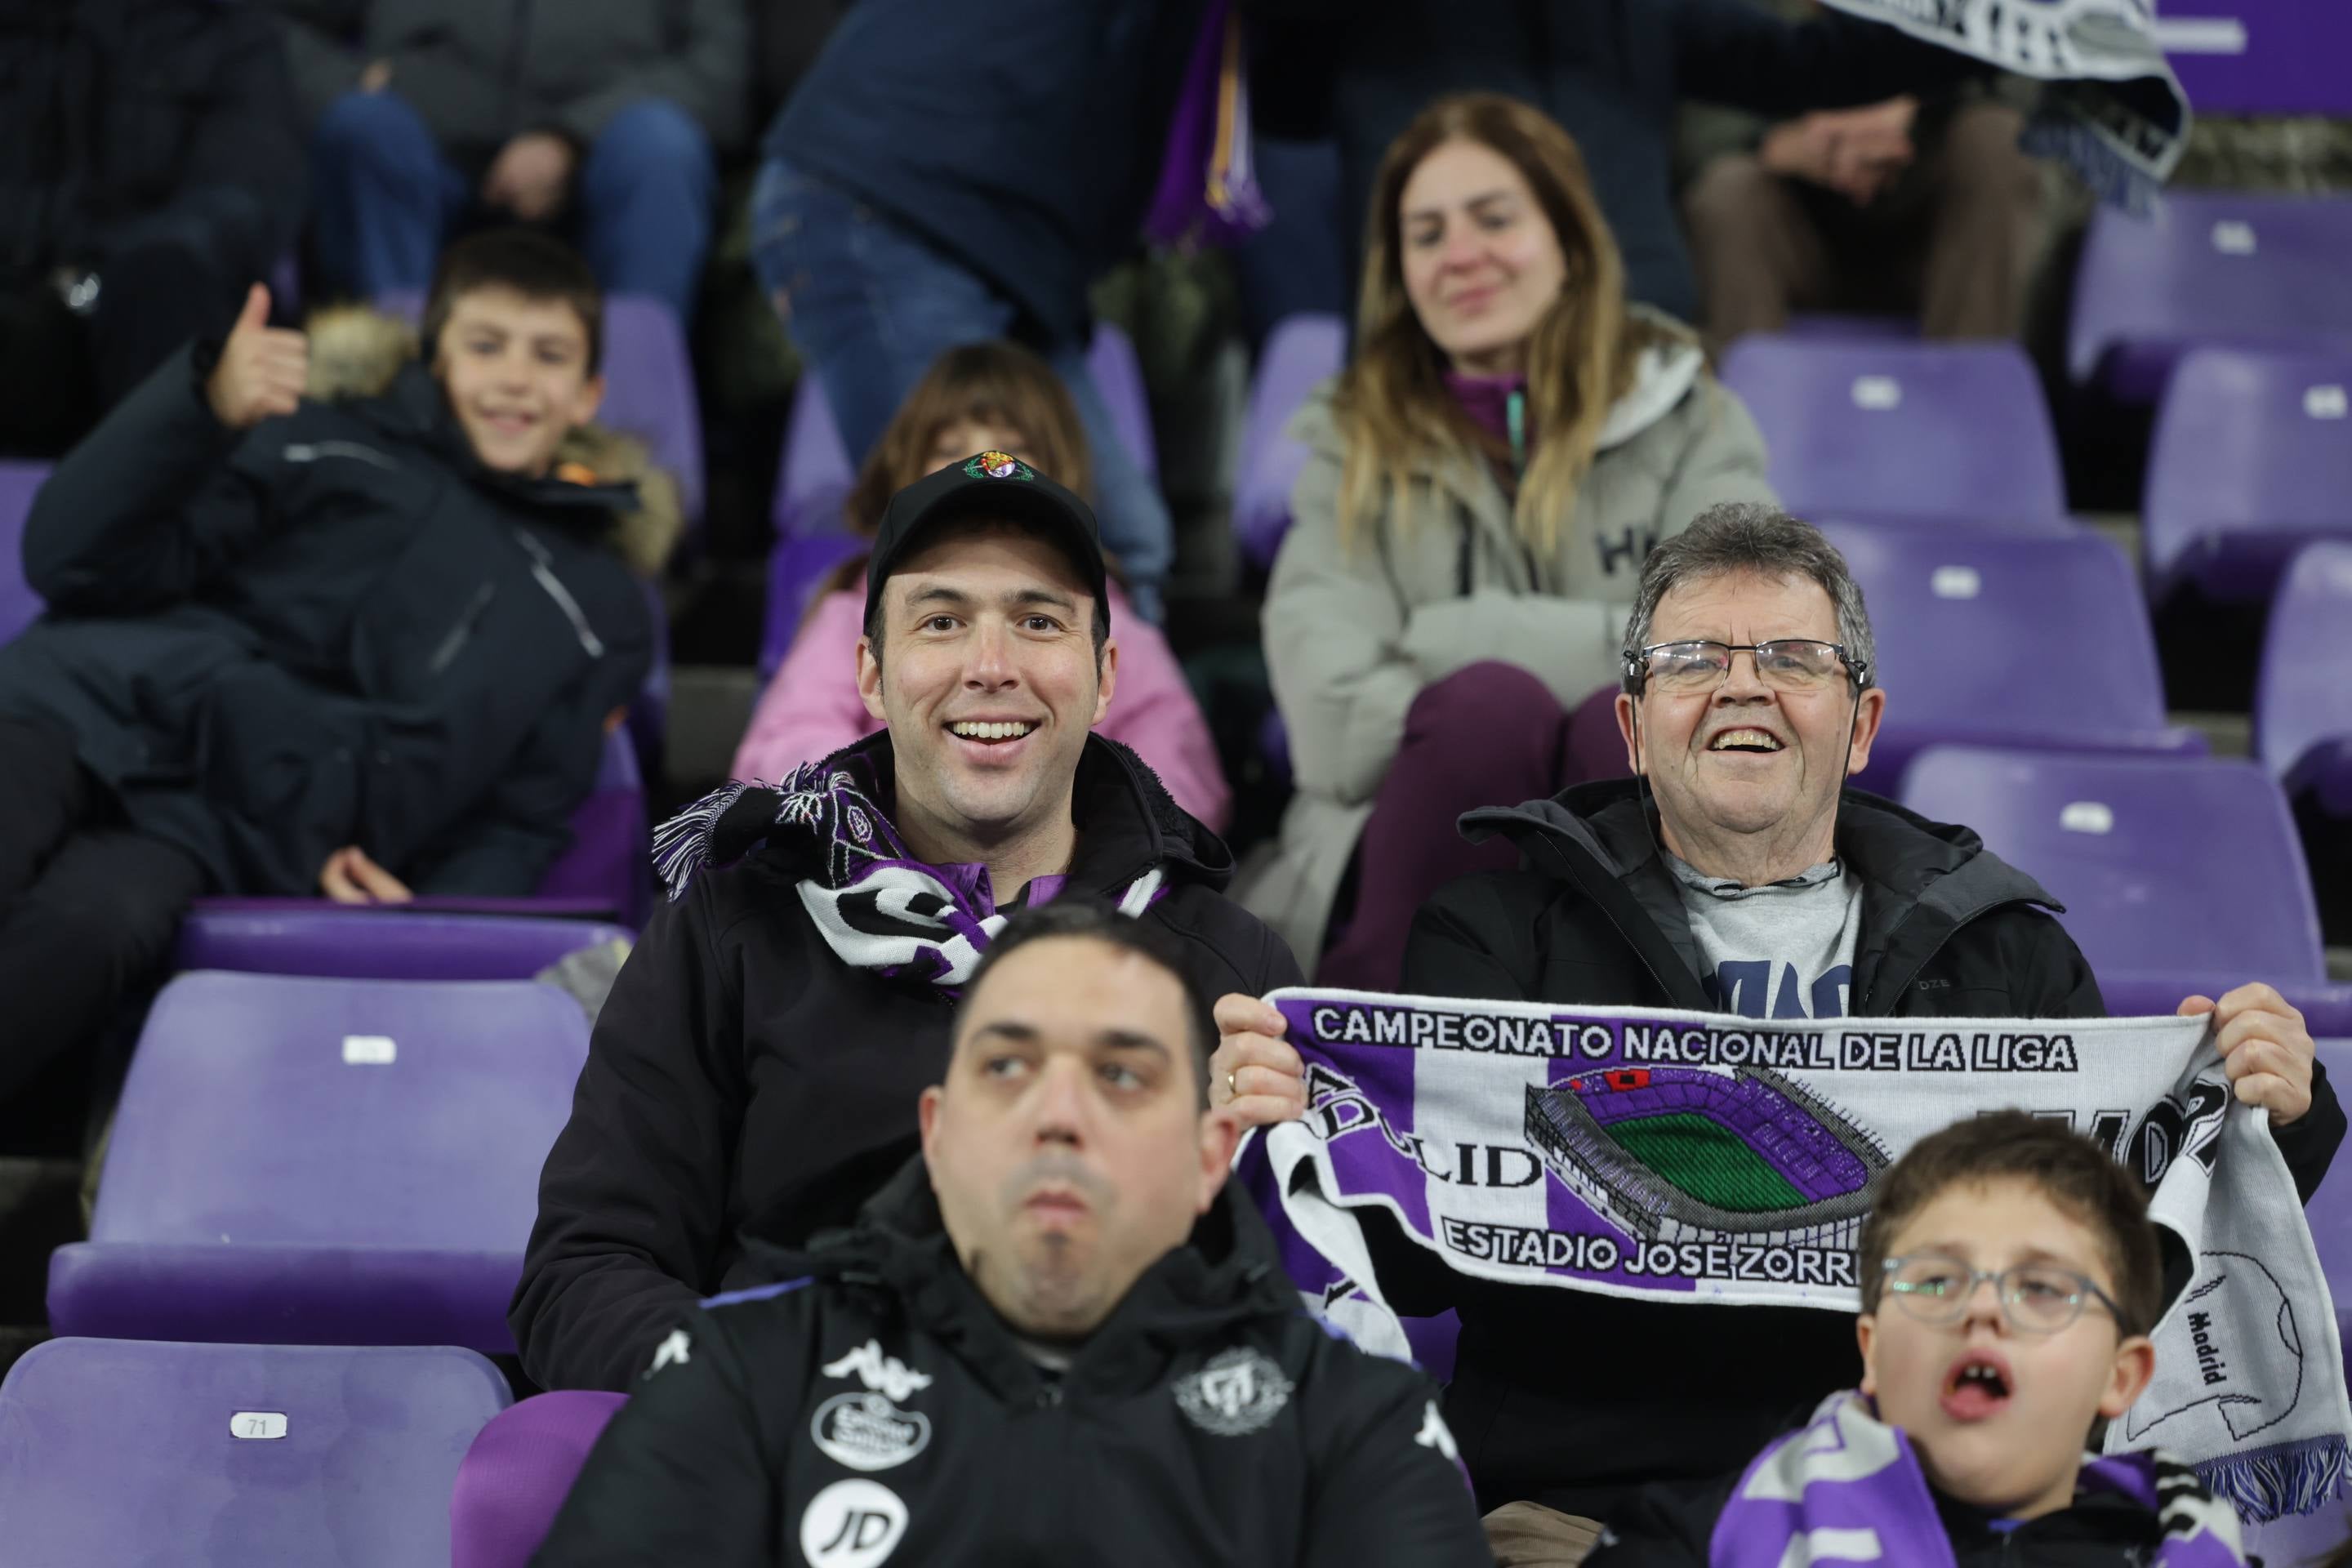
980, 398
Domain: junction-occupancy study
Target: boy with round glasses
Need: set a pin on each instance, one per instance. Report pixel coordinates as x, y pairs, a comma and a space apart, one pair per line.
2010, 1278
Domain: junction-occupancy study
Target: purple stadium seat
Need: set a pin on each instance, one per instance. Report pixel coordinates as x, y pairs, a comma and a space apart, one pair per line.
814, 471
2304, 1540
2303, 697
19, 605
607, 866
1118, 376
1301, 353
378, 943
518, 1473
649, 713
2208, 267
209, 1455
648, 384
1856, 427
1433, 1341
2252, 456
649, 390
797, 568
298, 1160
1996, 638
2181, 876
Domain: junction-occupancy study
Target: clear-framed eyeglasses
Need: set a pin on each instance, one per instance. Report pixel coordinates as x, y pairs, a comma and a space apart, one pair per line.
1784, 664
2036, 1298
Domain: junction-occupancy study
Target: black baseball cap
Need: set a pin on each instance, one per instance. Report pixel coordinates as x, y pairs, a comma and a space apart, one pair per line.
994, 485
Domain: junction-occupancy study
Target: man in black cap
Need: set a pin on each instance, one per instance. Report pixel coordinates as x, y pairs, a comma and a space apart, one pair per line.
754, 1072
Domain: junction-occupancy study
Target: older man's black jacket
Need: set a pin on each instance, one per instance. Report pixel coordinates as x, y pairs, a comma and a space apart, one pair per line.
879, 1409
745, 1080
1574, 1399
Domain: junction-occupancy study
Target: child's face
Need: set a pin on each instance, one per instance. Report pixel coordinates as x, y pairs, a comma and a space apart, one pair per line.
516, 373
2012, 1444
960, 439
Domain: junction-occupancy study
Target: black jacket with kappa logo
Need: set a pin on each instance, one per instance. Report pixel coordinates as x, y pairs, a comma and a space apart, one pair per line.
877, 1410
1571, 1399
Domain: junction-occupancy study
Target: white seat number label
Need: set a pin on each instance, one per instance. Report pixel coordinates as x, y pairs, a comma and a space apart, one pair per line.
257, 1425
369, 1050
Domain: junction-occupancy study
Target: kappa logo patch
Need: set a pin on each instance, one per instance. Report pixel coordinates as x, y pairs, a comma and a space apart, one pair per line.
1238, 1393
884, 1374
867, 1432
993, 465
675, 1350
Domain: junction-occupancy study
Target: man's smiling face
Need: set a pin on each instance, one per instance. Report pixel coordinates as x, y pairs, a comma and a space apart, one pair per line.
1748, 757
987, 678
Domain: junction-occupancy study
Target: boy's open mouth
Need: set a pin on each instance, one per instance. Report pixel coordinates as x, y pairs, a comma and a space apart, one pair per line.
1977, 1386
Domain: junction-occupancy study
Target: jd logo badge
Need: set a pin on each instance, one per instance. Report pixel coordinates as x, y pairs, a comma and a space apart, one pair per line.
1238, 1393
852, 1525
867, 1432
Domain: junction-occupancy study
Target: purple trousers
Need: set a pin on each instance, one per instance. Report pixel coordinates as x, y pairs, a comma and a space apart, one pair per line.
1490, 734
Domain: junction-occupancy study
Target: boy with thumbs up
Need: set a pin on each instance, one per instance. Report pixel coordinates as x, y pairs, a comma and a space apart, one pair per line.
358, 645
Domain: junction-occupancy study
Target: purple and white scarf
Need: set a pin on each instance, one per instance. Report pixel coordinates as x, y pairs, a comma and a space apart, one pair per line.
875, 905
1848, 1489
1674, 1156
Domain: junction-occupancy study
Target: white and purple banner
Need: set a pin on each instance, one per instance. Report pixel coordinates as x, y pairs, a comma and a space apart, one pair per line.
1679, 1156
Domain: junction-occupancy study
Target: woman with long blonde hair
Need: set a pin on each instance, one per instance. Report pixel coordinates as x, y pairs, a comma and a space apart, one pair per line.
1511, 440
981, 396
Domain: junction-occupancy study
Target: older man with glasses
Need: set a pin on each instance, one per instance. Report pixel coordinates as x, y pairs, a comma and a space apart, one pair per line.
1734, 873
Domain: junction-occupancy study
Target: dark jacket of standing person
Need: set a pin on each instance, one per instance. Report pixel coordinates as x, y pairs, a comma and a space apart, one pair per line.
160, 129
1023, 137
1611, 72
1593, 919
481, 74
114, 109
1208, 1420
337, 629
788, 1097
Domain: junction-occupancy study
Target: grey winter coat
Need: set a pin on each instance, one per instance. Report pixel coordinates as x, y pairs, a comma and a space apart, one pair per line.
1354, 632
481, 72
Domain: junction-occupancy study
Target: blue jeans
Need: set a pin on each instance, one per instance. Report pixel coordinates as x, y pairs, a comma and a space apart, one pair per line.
385, 198
870, 306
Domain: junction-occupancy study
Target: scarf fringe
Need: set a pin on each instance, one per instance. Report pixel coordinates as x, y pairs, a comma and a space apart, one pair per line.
2276, 1482
682, 845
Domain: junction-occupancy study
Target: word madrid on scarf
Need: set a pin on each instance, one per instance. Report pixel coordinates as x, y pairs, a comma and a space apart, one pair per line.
1681, 1157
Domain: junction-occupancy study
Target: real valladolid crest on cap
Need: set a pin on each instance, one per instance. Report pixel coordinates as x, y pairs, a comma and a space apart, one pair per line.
986, 485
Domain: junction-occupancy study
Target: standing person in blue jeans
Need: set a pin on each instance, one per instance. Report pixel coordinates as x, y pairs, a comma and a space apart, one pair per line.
949, 172
599, 117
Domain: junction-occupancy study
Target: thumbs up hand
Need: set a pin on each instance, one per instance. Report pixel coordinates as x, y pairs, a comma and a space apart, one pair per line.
261, 369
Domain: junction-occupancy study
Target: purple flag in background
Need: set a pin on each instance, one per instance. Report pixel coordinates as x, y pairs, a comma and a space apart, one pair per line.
1208, 191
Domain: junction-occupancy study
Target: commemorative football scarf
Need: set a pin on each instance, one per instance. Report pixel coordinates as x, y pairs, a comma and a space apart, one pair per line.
1847, 1488
875, 905
1677, 1156
2112, 110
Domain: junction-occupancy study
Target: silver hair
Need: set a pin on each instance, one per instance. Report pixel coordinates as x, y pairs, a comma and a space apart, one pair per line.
1754, 536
